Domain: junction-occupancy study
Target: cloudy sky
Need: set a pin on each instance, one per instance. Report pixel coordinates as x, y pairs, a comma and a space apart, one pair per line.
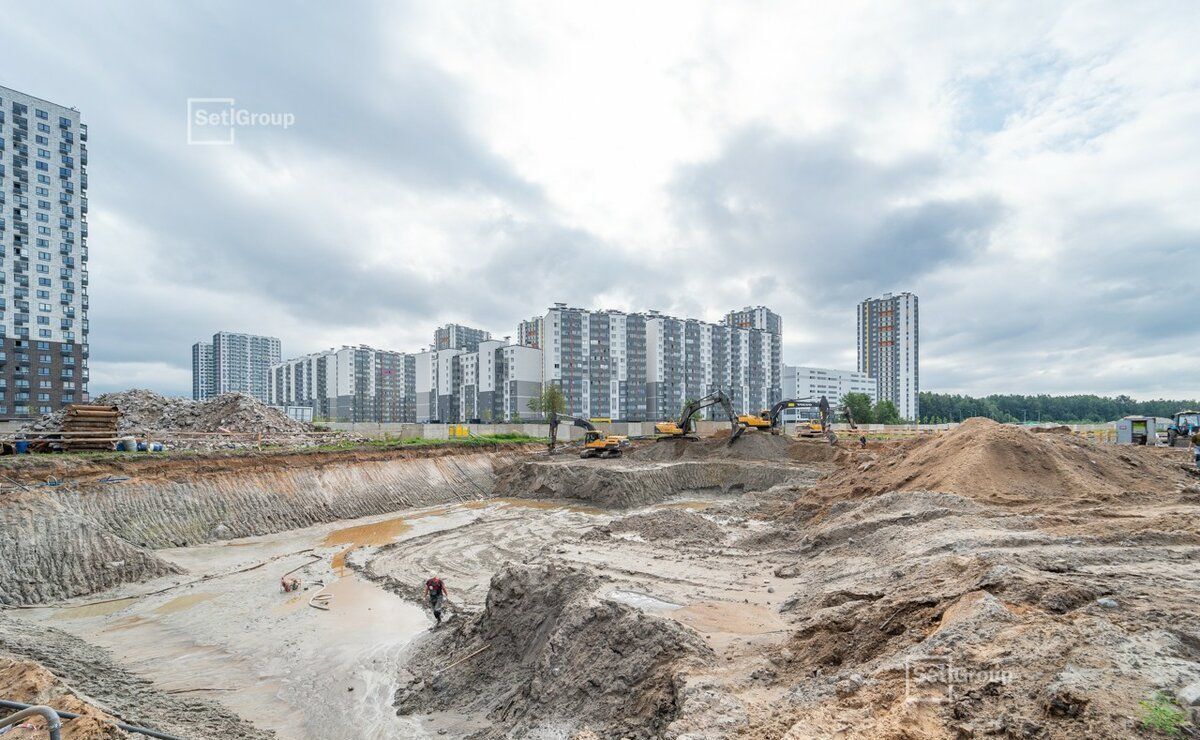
1031, 172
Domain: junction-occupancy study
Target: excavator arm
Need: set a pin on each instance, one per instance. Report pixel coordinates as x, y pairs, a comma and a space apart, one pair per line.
686, 426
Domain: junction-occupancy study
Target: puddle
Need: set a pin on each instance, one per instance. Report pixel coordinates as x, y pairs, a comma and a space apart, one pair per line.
181, 603
645, 602
93, 610
371, 534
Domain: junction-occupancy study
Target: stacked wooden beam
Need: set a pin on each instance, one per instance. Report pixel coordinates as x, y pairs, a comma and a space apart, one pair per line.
87, 427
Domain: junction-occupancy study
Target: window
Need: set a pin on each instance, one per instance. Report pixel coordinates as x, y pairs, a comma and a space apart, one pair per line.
44, 255
45, 359
44, 128
45, 333
44, 204
44, 153
43, 140
41, 114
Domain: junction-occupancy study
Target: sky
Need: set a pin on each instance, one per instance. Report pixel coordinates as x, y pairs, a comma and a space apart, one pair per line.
1030, 170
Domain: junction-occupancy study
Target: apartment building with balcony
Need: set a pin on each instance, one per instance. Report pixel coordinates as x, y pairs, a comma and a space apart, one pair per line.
43, 256
889, 349
640, 366
202, 371
241, 363
457, 336
350, 384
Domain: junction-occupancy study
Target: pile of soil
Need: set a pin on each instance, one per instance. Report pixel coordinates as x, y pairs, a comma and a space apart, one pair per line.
668, 525
29, 683
749, 446
548, 655
144, 411
1006, 464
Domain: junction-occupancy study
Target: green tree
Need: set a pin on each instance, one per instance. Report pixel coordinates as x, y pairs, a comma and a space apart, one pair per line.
550, 399
860, 407
885, 413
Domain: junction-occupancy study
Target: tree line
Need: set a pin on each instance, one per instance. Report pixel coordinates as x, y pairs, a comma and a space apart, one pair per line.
941, 408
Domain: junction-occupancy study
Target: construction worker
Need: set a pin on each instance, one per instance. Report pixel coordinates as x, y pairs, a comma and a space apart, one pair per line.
435, 591
1196, 448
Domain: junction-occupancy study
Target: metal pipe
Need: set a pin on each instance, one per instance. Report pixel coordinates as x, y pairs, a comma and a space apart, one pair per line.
5, 704
53, 723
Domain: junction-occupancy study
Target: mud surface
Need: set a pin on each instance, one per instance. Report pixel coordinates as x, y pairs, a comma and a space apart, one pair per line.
546, 654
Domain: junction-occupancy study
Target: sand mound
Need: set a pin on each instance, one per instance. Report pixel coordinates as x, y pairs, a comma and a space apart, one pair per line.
668, 525
29, 683
998, 463
555, 657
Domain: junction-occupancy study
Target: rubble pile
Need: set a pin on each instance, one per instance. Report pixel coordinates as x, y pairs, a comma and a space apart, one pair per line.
547, 655
146, 412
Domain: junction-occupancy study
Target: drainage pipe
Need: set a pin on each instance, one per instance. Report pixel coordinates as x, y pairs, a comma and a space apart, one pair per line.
54, 733
53, 723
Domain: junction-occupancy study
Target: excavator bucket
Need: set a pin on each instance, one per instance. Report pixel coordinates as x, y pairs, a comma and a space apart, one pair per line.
733, 437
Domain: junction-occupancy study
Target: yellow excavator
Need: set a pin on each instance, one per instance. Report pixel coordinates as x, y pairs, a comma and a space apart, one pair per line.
819, 427
685, 428
595, 442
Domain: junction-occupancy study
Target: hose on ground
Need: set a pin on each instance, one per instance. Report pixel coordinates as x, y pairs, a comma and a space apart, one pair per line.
54, 733
53, 723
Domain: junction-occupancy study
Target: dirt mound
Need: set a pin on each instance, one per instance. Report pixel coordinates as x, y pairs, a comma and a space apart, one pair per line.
548, 655
668, 525
749, 446
1005, 464
620, 484
29, 683
144, 411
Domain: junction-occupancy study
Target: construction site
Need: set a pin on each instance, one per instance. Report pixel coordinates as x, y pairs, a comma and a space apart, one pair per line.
259, 578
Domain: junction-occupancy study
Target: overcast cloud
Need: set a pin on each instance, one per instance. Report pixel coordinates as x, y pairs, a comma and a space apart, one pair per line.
1029, 171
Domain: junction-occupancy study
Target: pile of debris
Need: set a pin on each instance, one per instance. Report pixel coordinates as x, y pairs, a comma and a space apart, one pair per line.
146, 413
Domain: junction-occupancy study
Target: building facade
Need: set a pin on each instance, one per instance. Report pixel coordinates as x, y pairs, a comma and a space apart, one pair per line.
889, 349
645, 366
351, 384
202, 371
43, 256
493, 384
243, 362
814, 382
530, 333
457, 336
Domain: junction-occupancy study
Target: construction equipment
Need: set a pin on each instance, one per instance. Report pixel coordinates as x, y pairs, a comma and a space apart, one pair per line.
1183, 425
820, 426
685, 428
595, 442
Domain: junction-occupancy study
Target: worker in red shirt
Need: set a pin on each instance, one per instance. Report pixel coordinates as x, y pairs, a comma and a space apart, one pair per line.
435, 591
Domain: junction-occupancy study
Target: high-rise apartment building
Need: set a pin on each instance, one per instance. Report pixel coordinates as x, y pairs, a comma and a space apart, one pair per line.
456, 336
494, 383
242, 362
641, 366
530, 333
351, 384
43, 256
202, 371
888, 349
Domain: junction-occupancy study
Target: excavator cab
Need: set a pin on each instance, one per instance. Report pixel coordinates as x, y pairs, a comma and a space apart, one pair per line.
595, 442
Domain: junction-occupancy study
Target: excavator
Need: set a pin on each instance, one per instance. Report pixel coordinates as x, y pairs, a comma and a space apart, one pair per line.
820, 427
595, 442
685, 428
